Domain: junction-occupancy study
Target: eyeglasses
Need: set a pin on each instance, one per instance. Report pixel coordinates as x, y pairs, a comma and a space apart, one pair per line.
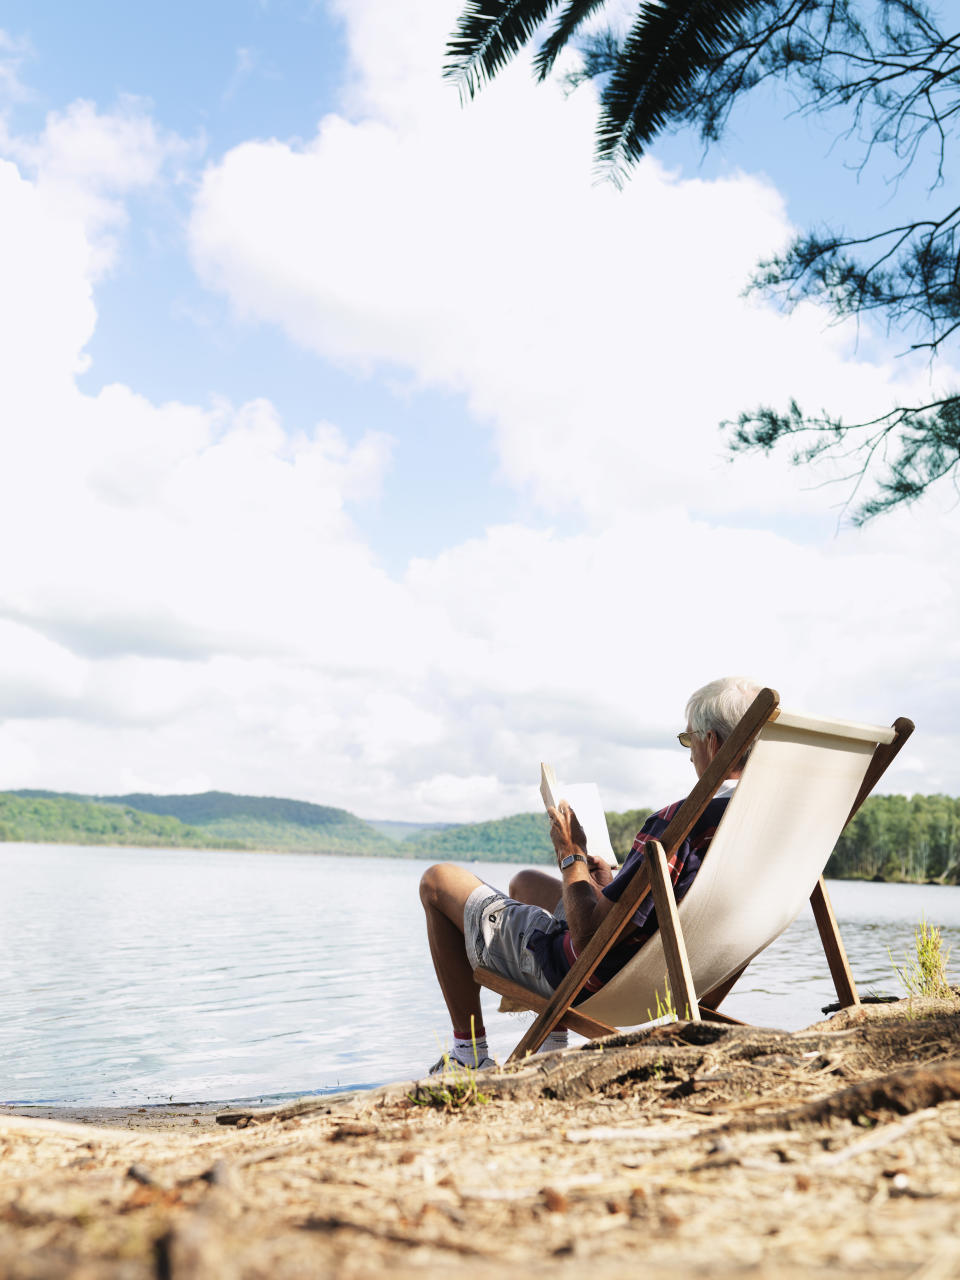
685, 739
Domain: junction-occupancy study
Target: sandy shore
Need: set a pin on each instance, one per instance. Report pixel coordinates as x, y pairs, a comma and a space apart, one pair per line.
683, 1151
158, 1116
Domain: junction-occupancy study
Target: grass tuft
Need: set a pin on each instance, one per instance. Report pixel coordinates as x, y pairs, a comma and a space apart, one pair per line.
455, 1090
666, 1010
456, 1087
925, 973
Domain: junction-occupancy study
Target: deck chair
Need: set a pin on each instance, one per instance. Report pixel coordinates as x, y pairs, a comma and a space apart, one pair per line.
804, 780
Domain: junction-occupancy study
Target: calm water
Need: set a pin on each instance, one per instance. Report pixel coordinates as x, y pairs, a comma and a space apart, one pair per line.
129, 975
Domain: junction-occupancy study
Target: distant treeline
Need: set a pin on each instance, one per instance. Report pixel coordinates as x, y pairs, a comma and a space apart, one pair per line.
525, 837
892, 837
218, 820
900, 839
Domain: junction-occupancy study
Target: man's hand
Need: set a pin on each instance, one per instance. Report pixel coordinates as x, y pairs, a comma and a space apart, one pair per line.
584, 903
601, 873
566, 832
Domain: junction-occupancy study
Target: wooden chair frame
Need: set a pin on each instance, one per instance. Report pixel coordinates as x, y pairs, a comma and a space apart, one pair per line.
653, 877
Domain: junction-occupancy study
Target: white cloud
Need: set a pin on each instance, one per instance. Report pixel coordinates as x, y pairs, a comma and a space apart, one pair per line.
191, 603
174, 565
585, 654
85, 162
602, 335
46, 311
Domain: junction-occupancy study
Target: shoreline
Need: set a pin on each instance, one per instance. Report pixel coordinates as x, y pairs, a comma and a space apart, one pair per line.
169, 1116
420, 856
687, 1149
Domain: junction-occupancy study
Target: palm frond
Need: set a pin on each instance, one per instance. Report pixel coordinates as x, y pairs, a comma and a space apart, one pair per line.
488, 34
576, 12
669, 45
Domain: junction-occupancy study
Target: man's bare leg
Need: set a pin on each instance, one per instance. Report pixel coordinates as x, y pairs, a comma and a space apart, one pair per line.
444, 890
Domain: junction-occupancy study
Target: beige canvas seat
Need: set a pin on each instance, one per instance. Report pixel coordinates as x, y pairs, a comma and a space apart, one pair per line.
804, 779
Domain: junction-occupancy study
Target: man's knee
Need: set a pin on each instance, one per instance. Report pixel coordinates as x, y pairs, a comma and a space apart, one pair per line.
531, 886
537, 888
432, 883
520, 884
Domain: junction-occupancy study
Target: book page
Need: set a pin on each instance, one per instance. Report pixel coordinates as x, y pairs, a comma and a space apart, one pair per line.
584, 799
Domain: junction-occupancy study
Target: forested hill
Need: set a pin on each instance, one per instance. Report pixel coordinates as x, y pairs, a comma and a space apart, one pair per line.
36, 818
268, 822
891, 838
523, 838
248, 822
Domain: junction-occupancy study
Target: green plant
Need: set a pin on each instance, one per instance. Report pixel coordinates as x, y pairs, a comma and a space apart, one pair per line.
925, 973
456, 1089
665, 1010
457, 1085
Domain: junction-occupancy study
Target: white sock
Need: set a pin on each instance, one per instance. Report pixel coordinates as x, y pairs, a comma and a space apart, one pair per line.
463, 1051
555, 1040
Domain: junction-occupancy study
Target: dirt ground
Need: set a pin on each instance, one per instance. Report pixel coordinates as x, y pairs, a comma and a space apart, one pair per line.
687, 1150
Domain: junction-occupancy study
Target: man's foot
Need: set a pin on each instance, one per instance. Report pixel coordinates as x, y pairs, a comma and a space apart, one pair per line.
447, 1062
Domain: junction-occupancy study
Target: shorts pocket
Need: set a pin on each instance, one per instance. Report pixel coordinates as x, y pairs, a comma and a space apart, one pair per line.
529, 965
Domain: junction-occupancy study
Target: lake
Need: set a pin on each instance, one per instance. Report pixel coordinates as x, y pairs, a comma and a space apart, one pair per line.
141, 976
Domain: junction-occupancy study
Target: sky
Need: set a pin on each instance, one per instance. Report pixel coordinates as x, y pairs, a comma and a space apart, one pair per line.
362, 447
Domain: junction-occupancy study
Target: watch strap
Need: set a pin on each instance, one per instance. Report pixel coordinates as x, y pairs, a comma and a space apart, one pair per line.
570, 859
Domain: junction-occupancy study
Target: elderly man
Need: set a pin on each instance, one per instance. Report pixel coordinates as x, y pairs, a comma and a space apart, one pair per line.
535, 935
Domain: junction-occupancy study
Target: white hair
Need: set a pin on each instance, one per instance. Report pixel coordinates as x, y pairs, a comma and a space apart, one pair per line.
720, 705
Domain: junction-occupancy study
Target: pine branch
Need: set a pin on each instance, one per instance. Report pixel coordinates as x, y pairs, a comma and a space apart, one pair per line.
917, 445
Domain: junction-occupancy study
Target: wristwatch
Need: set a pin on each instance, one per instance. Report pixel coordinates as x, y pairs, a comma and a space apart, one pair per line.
570, 859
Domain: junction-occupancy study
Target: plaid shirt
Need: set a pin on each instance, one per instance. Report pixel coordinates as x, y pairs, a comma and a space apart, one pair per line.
554, 948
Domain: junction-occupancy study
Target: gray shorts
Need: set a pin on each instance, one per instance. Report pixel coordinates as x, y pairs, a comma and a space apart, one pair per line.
496, 929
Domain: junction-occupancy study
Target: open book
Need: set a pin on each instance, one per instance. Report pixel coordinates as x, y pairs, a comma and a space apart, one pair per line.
584, 799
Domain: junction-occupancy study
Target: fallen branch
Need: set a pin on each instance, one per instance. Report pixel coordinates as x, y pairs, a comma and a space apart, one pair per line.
901, 1092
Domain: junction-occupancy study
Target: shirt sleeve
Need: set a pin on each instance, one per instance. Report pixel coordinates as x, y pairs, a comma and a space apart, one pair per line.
652, 829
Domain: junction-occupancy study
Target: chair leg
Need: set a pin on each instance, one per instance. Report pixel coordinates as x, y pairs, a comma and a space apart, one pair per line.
819, 899
713, 1015
833, 946
678, 966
